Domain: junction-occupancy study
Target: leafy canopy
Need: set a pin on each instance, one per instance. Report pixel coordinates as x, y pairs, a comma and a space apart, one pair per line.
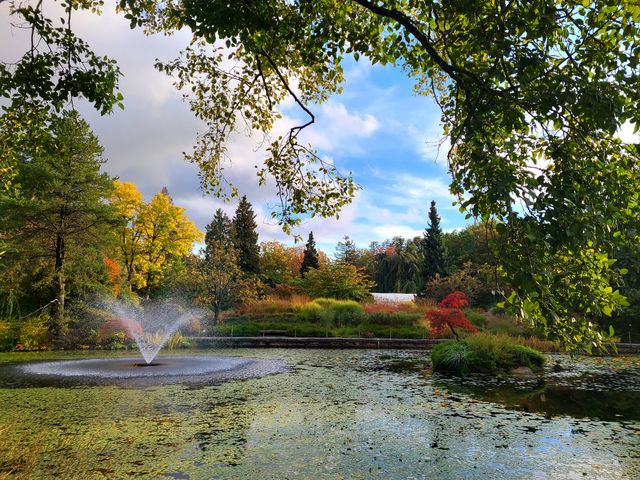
531, 94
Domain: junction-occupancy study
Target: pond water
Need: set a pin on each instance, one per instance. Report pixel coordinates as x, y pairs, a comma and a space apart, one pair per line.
334, 414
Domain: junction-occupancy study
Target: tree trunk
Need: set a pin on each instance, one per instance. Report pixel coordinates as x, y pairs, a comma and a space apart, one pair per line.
216, 313
454, 332
58, 319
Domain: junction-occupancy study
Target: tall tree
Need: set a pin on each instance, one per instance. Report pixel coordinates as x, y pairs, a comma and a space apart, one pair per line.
337, 280
245, 237
151, 236
220, 277
279, 264
218, 232
128, 203
434, 255
61, 212
346, 251
310, 256
166, 234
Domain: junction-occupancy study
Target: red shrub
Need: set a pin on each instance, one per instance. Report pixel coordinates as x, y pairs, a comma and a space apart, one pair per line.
113, 328
454, 300
449, 315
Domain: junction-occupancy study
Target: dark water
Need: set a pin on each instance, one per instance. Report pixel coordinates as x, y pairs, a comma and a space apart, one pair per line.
335, 414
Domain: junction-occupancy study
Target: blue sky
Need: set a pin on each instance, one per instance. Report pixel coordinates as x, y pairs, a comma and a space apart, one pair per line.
376, 128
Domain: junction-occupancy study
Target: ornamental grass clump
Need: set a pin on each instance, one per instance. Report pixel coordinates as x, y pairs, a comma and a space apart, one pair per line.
484, 353
452, 357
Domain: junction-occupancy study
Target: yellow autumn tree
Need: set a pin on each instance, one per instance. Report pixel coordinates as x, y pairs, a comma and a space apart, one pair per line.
128, 203
152, 235
166, 235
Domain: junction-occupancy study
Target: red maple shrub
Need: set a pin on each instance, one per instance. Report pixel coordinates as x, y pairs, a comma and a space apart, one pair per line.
449, 315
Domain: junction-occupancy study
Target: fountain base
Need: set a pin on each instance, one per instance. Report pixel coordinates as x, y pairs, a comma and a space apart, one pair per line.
126, 371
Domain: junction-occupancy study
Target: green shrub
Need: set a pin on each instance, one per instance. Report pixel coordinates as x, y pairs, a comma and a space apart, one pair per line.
394, 318
528, 357
176, 341
8, 338
314, 312
347, 312
476, 319
503, 325
34, 333
336, 280
452, 357
328, 311
326, 303
492, 352
486, 353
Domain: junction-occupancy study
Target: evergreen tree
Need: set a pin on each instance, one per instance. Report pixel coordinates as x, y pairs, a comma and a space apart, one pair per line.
346, 251
165, 191
245, 237
433, 251
220, 275
218, 232
310, 256
61, 215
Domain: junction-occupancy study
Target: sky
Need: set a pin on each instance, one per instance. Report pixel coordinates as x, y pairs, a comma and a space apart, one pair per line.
376, 128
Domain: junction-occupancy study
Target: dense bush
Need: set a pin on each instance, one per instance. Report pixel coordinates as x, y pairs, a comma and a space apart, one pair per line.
313, 312
331, 311
336, 280
503, 325
347, 312
484, 353
272, 305
250, 328
34, 333
476, 319
449, 316
8, 338
452, 357
394, 318
477, 283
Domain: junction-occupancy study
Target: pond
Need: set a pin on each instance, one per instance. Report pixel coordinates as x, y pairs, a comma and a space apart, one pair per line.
334, 414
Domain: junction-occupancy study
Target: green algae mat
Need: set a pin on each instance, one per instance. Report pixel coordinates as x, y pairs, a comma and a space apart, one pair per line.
334, 414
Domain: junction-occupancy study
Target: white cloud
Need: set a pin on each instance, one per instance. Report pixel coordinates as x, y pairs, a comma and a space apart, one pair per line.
144, 143
389, 231
339, 130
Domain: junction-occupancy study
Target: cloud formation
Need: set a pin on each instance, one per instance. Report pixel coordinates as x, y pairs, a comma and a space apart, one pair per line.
376, 128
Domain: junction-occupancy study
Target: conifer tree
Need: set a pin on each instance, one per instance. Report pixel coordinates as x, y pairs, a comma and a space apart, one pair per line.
218, 232
346, 251
245, 237
433, 251
310, 256
61, 213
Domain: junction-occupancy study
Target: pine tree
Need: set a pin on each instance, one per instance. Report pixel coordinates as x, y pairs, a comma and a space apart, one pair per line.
346, 251
61, 214
245, 237
433, 251
310, 256
165, 191
218, 232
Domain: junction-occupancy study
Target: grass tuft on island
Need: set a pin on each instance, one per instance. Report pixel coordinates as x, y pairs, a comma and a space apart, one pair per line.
484, 353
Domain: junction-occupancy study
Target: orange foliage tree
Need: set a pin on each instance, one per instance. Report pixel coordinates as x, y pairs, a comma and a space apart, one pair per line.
114, 272
449, 315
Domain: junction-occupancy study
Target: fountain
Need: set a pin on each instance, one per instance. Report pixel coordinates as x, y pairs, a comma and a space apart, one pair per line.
151, 328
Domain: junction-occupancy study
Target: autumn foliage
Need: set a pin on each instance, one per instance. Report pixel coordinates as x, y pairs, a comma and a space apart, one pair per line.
449, 315
113, 275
